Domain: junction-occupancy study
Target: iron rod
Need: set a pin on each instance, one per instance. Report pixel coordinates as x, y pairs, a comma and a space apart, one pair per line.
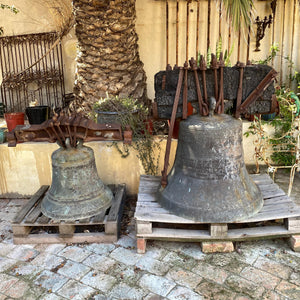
187, 30
46, 73
239, 45
17, 67
220, 18
177, 30
62, 79
282, 42
292, 45
54, 85
3, 92
197, 29
208, 23
171, 128
21, 45
167, 32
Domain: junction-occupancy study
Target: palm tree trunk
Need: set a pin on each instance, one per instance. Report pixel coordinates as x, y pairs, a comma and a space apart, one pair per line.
108, 59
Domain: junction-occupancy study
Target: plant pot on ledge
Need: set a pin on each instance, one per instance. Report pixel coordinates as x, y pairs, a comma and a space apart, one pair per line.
134, 116
37, 114
14, 119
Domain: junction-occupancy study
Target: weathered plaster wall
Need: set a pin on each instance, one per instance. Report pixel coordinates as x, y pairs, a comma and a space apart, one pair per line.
26, 167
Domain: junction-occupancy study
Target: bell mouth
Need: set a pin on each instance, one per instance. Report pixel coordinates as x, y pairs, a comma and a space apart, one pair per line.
211, 201
68, 209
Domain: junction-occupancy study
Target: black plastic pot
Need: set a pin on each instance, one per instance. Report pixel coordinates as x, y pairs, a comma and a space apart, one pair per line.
37, 114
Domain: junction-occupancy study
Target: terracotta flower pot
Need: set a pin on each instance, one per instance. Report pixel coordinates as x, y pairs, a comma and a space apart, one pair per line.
14, 119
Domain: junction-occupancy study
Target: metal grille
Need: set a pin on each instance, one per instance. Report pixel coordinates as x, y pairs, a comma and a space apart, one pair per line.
32, 71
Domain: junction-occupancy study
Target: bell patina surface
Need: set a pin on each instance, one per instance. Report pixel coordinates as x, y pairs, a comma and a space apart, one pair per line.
76, 191
209, 182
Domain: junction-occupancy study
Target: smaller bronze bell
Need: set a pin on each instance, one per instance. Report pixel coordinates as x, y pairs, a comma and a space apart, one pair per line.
76, 191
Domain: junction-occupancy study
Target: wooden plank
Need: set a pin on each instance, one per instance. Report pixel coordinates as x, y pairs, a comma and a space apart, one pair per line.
165, 218
34, 214
280, 199
115, 208
217, 230
233, 234
279, 207
269, 216
93, 237
292, 223
147, 204
28, 206
99, 218
143, 227
66, 230
43, 220
111, 227
85, 221
258, 178
21, 230
272, 194
113, 221
151, 197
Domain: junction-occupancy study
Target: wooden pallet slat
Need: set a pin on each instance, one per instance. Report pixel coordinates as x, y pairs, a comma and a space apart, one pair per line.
28, 206
112, 224
34, 214
99, 218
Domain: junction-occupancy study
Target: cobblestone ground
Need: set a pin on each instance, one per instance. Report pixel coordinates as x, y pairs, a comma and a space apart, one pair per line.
265, 269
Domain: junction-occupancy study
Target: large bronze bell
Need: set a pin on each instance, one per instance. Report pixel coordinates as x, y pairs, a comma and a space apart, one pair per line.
209, 182
76, 191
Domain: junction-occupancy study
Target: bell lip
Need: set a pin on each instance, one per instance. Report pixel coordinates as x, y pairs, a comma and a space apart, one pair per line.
75, 216
232, 216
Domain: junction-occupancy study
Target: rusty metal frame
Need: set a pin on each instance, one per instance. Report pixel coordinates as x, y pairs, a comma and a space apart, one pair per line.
31, 60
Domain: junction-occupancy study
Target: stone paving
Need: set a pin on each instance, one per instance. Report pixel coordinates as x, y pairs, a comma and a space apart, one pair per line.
265, 269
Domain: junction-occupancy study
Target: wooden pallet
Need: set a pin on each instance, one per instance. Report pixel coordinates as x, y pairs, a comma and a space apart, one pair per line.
279, 217
30, 226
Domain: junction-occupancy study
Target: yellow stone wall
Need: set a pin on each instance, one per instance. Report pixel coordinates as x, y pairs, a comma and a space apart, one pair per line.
24, 168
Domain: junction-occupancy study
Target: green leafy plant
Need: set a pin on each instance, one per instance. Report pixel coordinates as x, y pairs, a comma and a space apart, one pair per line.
283, 141
293, 76
219, 49
130, 112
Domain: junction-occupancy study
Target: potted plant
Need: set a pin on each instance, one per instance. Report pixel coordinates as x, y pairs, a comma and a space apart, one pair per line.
37, 114
129, 112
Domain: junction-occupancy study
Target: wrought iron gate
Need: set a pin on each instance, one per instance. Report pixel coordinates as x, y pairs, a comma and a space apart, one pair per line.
32, 71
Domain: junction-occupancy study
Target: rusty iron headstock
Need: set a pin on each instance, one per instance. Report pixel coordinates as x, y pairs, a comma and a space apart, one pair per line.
66, 129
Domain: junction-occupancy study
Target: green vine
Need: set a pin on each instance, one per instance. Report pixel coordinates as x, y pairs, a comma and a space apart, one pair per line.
129, 112
284, 139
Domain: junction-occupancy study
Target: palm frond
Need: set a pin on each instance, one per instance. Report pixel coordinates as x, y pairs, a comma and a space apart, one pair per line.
239, 12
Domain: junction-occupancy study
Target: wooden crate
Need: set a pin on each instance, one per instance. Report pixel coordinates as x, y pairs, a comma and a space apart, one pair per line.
279, 217
30, 226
